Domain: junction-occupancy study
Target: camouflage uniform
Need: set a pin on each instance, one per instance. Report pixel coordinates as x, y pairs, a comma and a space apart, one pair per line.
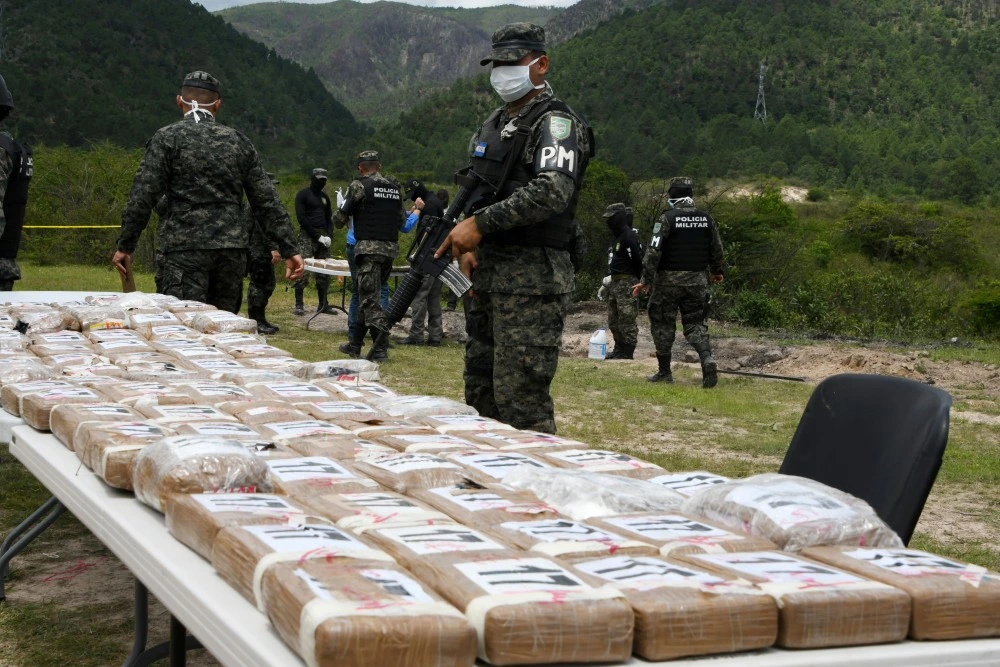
373, 258
624, 269
259, 266
684, 291
515, 320
203, 168
9, 270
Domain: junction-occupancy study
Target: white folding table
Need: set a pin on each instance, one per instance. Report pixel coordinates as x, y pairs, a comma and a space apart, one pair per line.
238, 635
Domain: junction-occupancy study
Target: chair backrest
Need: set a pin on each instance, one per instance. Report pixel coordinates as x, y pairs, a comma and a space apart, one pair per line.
877, 437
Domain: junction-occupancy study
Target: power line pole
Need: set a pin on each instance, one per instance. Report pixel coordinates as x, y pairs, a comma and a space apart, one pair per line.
760, 111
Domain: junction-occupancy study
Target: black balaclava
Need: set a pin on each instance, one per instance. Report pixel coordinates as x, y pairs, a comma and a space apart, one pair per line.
317, 184
419, 191
617, 223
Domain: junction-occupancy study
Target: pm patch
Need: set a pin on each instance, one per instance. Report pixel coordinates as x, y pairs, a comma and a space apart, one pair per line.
560, 128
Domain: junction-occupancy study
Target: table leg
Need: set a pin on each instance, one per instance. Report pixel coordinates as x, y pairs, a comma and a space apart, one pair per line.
24, 533
178, 643
141, 624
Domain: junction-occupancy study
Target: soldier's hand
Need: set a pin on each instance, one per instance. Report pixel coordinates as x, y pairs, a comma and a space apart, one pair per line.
716, 277
294, 267
641, 288
275, 257
324, 241
122, 261
464, 238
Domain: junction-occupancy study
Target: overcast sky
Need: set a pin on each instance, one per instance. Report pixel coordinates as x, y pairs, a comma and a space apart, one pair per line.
213, 5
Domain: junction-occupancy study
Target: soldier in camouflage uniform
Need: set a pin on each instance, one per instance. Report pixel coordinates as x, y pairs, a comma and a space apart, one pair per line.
15, 175
262, 255
685, 243
203, 168
375, 201
624, 268
516, 244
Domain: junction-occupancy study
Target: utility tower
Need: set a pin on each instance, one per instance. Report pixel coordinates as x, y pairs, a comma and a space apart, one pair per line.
760, 111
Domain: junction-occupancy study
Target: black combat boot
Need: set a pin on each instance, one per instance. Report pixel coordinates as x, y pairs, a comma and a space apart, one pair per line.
625, 352
352, 347
300, 308
709, 369
264, 327
324, 305
614, 354
663, 374
381, 346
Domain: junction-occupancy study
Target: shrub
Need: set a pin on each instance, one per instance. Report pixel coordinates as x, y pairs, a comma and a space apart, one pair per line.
756, 309
984, 308
817, 194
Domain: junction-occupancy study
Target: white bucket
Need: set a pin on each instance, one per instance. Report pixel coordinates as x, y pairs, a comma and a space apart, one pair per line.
598, 348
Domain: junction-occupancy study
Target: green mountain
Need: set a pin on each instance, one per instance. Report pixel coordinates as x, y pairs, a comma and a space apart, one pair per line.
383, 57
587, 14
92, 70
888, 96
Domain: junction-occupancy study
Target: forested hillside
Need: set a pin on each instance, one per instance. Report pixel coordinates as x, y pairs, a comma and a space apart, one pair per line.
886, 97
383, 57
91, 70
587, 14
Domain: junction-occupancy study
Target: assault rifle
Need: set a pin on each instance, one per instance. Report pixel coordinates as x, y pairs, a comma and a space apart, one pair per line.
430, 235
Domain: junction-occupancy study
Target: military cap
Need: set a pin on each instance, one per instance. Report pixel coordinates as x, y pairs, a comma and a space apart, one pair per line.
411, 186
681, 182
614, 209
514, 41
200, 79
319, 172
368, 156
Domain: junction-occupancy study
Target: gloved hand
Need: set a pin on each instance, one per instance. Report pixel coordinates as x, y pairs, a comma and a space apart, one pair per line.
340, 198
324, 241
602, 293
607, 281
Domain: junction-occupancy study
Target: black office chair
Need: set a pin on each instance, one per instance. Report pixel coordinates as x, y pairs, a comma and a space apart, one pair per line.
877, 437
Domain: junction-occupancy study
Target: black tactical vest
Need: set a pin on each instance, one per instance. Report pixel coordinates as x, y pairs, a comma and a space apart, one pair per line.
378, 217
689, 241
618, 259
16, 198
557, 231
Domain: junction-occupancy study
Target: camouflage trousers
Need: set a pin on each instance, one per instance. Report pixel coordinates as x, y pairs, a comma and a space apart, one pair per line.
262, 282
9, 272
665, 302
511, 356
211, 276
623, 309
372, 270
310, 248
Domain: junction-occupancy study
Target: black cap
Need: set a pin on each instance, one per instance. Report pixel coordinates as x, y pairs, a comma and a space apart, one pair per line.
514, 41
201, 79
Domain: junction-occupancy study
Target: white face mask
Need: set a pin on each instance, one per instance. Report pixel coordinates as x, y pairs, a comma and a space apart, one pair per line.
512, 82
196, 110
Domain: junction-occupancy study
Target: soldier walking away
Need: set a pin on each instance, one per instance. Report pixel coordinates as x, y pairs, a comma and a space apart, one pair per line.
516, 242
203, 168
261, 257
427, 304
684, 254
624, 268
15, 175
375, 201
315, 215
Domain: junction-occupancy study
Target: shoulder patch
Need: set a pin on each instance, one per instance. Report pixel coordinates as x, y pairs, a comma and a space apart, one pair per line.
657, 227
560, 127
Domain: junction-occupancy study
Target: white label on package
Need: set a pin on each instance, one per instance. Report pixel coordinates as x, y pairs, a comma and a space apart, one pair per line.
250, 503
303, 428
400, 463
145, 388
67, 392
224, 429
144, 318
39, 385
219, 389
218, 364
689, 483
369, 500
190, 446
123, 343
285, 538
295, 389
341, 407
107, 410
789, 504
134, 429
520, 575
62, 337
313, 467
912, 563
398, 585
559, 530
191, 413
265, 410
474, 502
645, 573
497, 465
588, 458
423, 540
782, 569
443, 440
668, 527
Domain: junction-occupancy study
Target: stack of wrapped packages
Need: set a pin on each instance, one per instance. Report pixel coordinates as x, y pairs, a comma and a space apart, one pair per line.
378, 529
